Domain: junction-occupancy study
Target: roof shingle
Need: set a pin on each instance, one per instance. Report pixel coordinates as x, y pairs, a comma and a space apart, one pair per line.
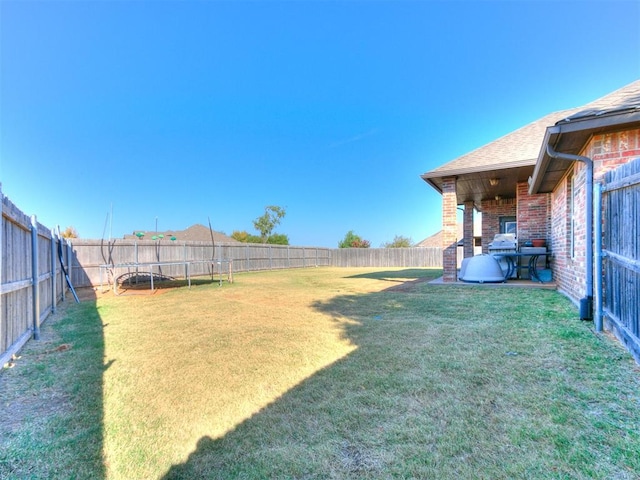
522, 146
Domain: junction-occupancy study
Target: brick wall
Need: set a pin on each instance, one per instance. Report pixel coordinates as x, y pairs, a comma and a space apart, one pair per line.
449, 230
569, 262
492, 210
607, 151
611, 150
559, 232
467, 229
533, 214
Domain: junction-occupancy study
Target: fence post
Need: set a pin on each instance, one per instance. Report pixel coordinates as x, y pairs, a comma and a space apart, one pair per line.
67, 242
61, 253
270, 259
184, 258
35, 295
597, 222
53, 273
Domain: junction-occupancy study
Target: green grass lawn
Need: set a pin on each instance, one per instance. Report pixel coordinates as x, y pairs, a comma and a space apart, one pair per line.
322, 373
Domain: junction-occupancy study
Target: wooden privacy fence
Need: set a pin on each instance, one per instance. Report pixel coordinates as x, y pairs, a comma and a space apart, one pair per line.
387, 257
91, 254
31, 280
621, 254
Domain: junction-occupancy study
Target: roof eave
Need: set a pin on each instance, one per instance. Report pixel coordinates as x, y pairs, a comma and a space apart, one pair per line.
485, 168
581, 130
535, 181
432, 181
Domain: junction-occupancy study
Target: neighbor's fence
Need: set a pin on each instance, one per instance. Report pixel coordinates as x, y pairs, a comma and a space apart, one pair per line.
31, 280
387, 257
91, 254
621, 252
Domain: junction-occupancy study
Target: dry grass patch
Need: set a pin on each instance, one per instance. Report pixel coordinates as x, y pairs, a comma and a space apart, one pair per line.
325, 373
197, 363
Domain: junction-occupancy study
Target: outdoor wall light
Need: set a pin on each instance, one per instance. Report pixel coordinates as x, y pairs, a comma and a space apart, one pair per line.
494, 182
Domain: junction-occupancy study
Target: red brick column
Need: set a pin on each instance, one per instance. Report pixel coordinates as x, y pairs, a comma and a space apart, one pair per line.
468, 228
449, 230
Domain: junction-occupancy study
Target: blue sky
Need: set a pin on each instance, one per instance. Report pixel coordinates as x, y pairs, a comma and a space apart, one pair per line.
182, 111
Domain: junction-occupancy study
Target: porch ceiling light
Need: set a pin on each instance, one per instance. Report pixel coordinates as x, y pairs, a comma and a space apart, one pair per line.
494, 182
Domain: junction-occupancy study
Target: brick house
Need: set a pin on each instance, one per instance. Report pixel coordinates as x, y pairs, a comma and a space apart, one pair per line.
521, 178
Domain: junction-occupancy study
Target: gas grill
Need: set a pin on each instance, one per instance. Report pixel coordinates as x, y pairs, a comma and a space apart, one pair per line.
505, 243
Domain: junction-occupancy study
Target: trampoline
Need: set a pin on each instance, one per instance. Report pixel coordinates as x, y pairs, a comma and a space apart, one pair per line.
150, 267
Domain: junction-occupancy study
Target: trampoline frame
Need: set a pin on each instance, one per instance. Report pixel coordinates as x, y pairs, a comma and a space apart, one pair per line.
148, 267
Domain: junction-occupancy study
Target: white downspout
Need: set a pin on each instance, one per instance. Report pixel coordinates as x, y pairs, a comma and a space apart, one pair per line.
586, 304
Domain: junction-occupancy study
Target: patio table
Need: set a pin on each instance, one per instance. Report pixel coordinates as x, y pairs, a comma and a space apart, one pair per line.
532, 265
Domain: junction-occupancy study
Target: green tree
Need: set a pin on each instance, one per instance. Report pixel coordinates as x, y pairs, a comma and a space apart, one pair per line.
278, 239
398, 242
351, 240
244, 237
240, 235
265, 224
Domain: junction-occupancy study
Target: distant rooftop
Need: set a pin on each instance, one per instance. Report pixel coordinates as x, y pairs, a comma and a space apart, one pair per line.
195, 233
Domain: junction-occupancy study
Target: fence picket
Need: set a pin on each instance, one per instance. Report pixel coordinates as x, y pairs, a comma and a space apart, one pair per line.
28, 288
621, 296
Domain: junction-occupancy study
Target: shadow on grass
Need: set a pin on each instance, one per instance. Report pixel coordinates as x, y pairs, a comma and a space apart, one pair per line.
406, 280
401, 275
356, 418
52, 399
430, 392
141, 283
307, 432
442, 384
